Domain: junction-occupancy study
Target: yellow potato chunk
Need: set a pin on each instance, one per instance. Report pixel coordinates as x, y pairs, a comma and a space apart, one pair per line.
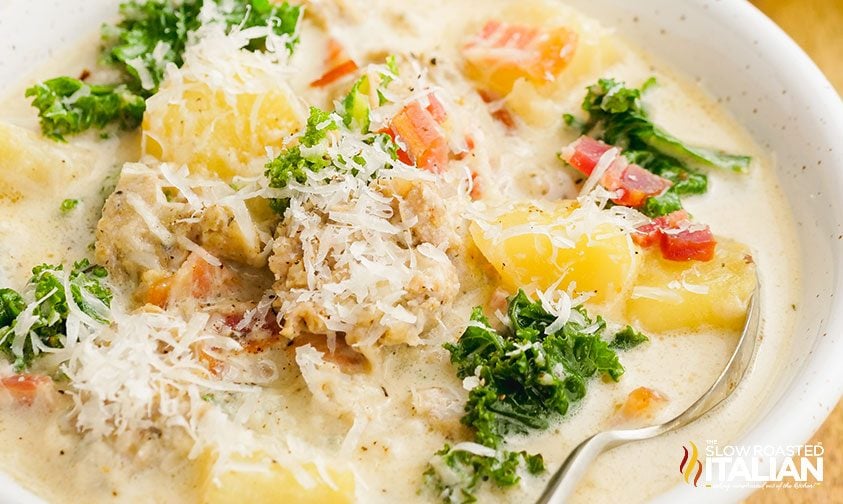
520, 245
681, 296
31, 165
276, 485
219, 130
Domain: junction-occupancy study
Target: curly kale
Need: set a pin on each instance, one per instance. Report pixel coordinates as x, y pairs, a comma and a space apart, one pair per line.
67, 106
282, 17
628, 338
44, 308
294, 163
150, 35
470, 469
527, 378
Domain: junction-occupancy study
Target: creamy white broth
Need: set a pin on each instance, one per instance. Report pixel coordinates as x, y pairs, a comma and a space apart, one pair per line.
747, 208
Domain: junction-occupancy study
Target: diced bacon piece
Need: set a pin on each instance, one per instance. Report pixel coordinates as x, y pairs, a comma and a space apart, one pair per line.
650, 234
673, 220
688, 244
497, 110
338, 64
469, 142
464, 152
612, 178
678, 238
646, 235
197, 279
401, 153
420, 130
436, 109
476, 191
504, 117
637, 184
24, 388
214, 365
633, 183
584, 153
503, 53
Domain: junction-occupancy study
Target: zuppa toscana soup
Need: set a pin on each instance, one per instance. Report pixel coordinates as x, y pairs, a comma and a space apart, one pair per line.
350, 251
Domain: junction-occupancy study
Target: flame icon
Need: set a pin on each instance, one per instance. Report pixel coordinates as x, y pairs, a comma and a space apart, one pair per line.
690, 464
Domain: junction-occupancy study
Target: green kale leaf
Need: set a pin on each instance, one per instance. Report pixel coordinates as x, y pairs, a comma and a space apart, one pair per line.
67, 106
293, 164
11, 304
45, 306
628, 338
527, 376
283, 18
616, 110
656, 206
310, 155
319, 123
150, 35
355, 108
154, 33
470, 469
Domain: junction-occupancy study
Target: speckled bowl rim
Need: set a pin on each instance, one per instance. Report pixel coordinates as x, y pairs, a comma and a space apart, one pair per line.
733, 50
731, 34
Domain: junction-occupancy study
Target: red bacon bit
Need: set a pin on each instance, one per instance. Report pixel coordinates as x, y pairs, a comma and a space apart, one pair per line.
504, 117
638, 184
420, 130
214, 365
401, 153
437, 111
24, 388
338, 63
650, 234
584, 153
678, 238
688, 245
475, 186
469, 146
633, 183
498, 111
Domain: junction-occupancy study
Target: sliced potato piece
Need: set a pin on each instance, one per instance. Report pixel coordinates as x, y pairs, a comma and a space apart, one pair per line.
31, 165
679, 296
220, 128
275, 485
520, 245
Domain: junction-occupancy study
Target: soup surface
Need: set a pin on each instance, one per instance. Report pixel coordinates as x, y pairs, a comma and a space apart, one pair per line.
372, 252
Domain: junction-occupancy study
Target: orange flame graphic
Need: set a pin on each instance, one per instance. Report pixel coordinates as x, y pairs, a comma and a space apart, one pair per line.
690, 463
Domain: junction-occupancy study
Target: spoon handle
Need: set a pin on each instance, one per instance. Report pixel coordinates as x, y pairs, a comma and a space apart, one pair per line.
565, 480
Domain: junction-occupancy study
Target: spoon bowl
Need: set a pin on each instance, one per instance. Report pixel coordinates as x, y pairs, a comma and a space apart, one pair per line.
564, 481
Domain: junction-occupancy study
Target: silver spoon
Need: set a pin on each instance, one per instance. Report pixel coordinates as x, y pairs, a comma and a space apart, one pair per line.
565, 480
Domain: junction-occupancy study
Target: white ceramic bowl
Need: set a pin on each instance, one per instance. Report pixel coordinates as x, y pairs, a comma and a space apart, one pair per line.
738, 55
